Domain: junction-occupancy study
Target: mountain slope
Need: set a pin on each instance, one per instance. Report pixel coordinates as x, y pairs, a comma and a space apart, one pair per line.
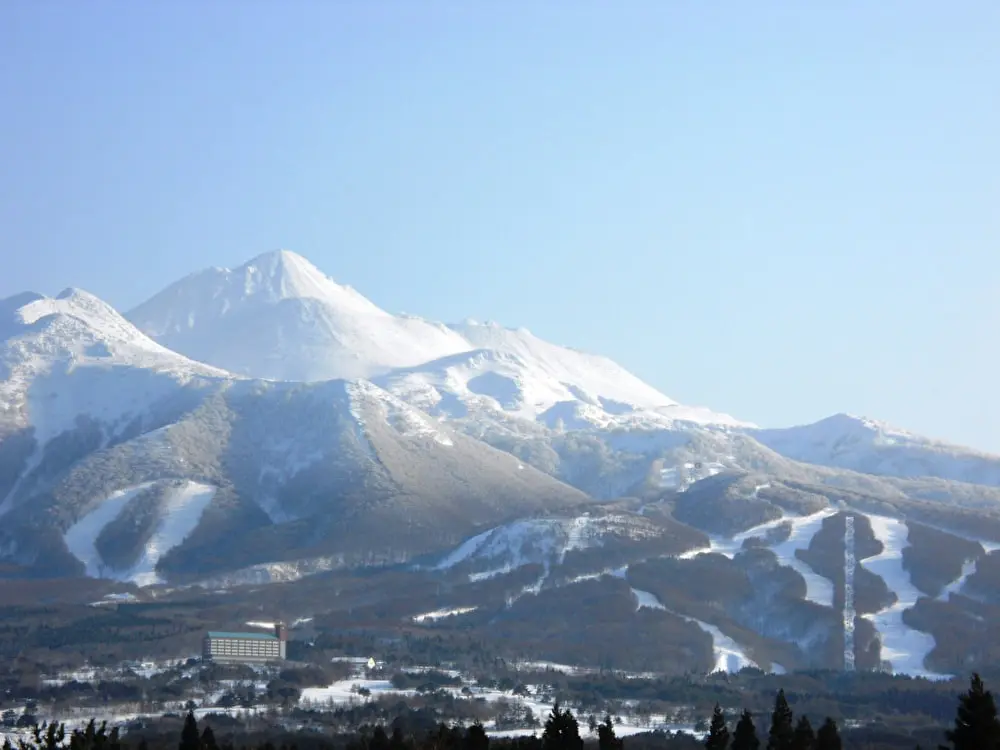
278, 317
523, 378
872, 447
120, 457
74, 377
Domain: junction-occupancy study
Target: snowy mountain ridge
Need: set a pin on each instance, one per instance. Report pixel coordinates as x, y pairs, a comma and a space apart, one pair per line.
303, 326
484, 456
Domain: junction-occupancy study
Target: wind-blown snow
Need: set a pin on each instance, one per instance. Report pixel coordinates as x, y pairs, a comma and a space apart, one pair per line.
180, 514
903, 647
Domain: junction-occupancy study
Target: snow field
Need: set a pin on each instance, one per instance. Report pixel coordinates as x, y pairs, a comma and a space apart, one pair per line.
819, 590
346, 692
181, 512
904, 648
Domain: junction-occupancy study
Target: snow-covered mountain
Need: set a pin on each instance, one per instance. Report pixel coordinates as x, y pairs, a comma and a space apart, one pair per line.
277, 317
479, 454
873, 447
115, 453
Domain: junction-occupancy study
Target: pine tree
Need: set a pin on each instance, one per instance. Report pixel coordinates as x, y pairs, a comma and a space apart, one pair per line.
745, 736
561, 731
606, 738
828, 736
379, 740
804, 736
476, 738
976, 723
208, 739
397, 741
782, 730
190, 738
718, 732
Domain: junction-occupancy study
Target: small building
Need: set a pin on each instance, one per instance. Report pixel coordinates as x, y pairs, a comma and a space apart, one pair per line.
246, 647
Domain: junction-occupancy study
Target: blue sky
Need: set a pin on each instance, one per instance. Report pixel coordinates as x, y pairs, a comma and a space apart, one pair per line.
778, 209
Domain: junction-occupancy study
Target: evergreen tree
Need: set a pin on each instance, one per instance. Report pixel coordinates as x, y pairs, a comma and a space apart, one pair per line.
976, 723
379, 740
476, 738
745, 736
828, 736
718, 732
190, 738
561, 731
208, 739
782, 731
804, 736
606, 738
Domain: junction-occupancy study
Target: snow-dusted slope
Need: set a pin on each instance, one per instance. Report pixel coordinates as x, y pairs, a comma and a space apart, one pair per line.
181, 512
819, 590
860, 444
278, 317
904, 648
517, 375
74, 355
540, 540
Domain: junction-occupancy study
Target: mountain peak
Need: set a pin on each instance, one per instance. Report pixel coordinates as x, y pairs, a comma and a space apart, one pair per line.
282, 274
279, 317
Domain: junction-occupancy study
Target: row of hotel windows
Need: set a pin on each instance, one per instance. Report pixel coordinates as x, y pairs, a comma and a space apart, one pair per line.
245, 647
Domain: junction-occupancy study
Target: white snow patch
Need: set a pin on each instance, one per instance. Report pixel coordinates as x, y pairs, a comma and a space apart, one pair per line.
729, 656
278, 317
81, 537
819, 590
956, 586
440, 614
903, 648
180, 513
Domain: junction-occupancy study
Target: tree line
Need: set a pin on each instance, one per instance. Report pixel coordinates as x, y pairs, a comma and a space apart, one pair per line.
976, 727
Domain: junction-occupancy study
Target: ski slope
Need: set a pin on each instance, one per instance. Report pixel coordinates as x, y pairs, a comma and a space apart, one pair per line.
180, 513
903, 647
819, 589
729, 655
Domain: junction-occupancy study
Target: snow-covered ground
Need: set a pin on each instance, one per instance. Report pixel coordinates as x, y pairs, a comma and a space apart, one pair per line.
819, 589
956, 586
81, 537
903, 647
729, 656
360, 689
440, 614
540, 540
180, 513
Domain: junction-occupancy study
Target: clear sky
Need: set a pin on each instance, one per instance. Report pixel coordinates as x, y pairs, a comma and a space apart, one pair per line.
779, 209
